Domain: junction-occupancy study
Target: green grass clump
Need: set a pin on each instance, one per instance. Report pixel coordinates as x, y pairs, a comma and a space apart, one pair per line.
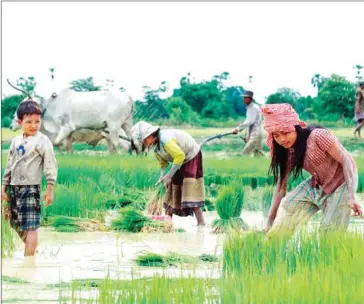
229, 205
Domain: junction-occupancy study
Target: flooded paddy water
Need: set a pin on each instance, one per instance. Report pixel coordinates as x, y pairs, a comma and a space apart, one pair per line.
64, 257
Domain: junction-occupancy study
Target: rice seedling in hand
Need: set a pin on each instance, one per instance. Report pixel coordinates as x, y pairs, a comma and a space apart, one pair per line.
156, 202
229, 205
9, 239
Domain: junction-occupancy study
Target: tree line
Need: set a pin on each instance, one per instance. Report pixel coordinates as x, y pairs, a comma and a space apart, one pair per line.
212, 100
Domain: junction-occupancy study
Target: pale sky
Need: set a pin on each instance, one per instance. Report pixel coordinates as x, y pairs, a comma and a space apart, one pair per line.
136, 44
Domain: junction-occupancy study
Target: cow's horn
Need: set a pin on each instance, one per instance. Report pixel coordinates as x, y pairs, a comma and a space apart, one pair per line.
23, 91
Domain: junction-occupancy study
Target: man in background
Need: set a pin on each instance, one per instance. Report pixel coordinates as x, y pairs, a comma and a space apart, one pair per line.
359, 109
253, 125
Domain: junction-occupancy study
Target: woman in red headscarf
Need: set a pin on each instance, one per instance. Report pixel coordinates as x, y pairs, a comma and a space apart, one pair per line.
333, 182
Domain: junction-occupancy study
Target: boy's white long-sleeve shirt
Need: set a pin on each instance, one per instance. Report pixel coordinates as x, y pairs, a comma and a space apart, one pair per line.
28, 158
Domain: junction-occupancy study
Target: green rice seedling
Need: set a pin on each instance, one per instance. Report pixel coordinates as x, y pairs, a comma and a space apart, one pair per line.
132, 197
9, 239
156, 202
229, 205
267, 199
151, 259
209, 205
252, 201
130, 220
205, 257
65, 224
308, 268
158, 260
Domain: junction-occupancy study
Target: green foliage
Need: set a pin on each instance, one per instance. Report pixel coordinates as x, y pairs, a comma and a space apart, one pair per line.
233, 96
153, 107
180, 112
287, 95
336, 97
335, 100
318, 81
28, 84
6, 122
206, 98
358, 69
9, 104
84, 85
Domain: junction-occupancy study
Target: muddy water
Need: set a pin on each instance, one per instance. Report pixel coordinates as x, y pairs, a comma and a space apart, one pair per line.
63, 257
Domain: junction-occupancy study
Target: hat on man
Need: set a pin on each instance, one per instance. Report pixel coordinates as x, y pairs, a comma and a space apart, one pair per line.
248, 94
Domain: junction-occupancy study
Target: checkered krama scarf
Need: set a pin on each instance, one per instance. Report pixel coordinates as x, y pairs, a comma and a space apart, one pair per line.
279, 117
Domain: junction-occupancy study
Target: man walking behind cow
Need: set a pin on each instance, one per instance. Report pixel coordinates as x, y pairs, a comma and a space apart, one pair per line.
253, 124
359, 109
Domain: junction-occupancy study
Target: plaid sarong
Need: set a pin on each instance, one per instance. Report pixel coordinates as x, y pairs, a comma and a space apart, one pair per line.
25, 207
299, 205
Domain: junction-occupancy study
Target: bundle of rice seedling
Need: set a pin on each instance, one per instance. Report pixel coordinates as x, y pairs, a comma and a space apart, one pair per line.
156, 202
205, 257
158, 226
65, 224
229, 205
151, 259
132, 220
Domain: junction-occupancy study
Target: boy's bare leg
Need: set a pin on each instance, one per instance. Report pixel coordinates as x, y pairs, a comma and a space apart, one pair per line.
199, 216
31, 241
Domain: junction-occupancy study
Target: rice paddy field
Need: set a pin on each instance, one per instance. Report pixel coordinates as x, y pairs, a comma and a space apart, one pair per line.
94, 246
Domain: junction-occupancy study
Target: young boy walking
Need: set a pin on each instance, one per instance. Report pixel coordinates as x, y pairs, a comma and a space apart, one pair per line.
30, 154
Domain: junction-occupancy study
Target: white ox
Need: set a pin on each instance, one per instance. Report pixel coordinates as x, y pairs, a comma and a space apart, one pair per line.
87, 117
